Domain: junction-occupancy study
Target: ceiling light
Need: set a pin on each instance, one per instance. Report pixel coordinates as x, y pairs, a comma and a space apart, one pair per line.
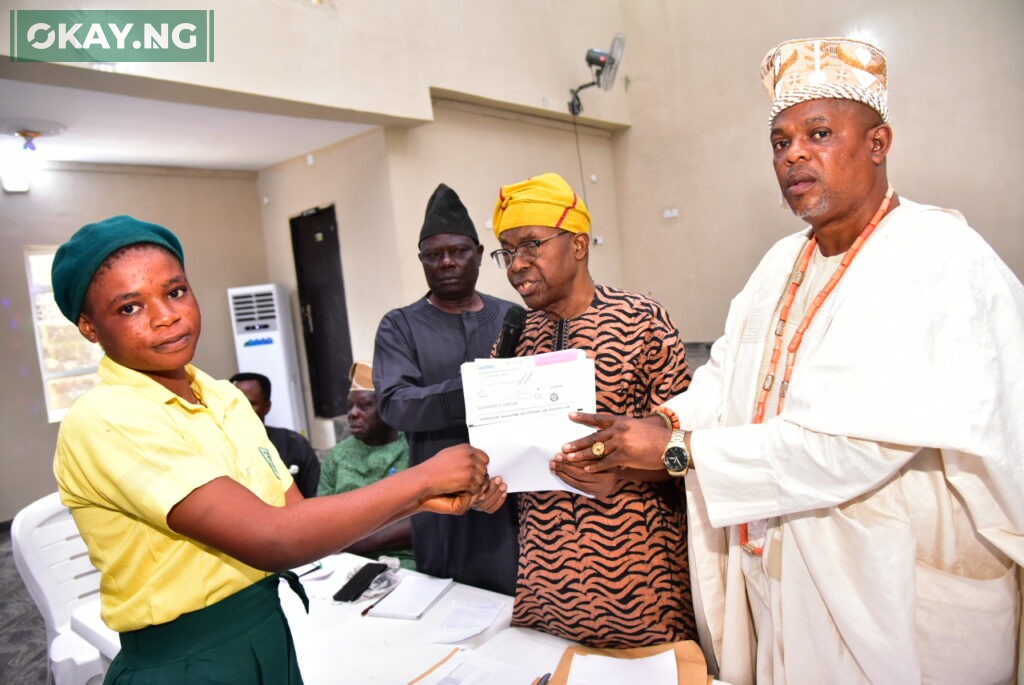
20, 160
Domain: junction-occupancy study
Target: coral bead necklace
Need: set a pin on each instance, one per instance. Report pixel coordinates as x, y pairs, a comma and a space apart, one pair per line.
798, 336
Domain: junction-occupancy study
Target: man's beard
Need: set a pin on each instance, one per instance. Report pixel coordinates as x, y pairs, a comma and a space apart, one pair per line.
814, 210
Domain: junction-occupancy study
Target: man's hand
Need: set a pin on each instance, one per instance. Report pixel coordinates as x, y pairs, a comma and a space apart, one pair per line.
454, 477
626, 442
492, 497
455, 504
459, 468
596, 484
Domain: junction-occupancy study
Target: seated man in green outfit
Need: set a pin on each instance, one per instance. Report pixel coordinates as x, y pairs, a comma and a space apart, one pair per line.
375, 450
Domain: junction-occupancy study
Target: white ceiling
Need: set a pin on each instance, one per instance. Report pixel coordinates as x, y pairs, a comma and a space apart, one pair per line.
120, 129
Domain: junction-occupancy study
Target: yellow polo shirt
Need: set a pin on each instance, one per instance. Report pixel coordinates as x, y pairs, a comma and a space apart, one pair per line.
127, 452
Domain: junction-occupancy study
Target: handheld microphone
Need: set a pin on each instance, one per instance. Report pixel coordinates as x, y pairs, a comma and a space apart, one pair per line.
511, 329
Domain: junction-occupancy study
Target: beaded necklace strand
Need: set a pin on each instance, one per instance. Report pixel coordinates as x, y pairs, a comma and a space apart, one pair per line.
798, 336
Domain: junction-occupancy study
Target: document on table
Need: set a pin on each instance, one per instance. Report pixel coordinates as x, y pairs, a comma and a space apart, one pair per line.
594, 669
467, 616
465, 667
518, 410
411, 599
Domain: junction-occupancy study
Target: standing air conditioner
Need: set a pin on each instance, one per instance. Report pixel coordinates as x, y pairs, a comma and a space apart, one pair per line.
265, 343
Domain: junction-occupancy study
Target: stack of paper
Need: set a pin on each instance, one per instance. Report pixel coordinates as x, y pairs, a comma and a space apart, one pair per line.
413, 596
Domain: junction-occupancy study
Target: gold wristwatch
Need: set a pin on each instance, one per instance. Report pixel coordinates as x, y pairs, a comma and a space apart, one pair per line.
676, 457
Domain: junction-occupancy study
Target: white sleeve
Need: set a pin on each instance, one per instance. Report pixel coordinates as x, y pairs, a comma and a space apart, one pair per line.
698, 407
759, 471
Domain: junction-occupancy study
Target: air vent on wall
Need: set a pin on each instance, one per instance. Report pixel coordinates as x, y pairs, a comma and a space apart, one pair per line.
265, 343
254, 312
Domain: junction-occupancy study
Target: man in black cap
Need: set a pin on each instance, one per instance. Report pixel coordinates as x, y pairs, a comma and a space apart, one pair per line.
417, 355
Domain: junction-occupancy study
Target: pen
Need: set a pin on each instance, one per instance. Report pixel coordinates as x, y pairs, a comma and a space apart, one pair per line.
316, 567
380, 599
544, 679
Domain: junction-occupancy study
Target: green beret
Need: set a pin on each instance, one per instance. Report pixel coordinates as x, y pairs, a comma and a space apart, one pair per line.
77, 260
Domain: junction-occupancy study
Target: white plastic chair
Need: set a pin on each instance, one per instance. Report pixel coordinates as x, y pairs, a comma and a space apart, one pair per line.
54, 565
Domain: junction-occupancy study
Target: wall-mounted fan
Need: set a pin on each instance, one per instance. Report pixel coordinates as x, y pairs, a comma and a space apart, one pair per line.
603, 64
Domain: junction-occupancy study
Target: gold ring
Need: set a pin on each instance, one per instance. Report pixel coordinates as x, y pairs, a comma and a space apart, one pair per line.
597, 448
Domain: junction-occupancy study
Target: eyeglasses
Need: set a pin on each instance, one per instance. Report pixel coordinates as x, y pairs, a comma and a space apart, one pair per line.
527, 251
435, 257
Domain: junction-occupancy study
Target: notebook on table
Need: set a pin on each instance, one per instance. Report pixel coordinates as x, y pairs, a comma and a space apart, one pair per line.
411, 599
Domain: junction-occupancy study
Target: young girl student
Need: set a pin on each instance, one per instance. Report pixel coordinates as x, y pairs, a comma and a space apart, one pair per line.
185, 506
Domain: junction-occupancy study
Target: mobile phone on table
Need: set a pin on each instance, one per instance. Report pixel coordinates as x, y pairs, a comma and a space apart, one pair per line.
357, 584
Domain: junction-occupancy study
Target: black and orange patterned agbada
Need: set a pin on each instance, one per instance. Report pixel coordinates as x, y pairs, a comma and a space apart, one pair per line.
610, 572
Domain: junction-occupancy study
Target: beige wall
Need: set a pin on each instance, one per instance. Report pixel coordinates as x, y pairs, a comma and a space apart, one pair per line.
215, 216
376, 61
352, 176
699, 136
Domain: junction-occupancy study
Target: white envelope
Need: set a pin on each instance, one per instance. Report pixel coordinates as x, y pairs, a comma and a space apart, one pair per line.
518, 413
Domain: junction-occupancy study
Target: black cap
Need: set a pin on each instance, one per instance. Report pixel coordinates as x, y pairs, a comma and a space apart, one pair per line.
446, 214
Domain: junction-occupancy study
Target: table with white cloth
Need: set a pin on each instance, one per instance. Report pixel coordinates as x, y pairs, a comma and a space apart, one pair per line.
335, 643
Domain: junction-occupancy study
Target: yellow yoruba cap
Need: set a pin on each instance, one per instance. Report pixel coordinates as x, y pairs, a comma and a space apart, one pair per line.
361, 375
545, 200
825, 68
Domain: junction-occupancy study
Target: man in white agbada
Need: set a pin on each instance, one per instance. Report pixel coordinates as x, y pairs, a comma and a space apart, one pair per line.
856, 490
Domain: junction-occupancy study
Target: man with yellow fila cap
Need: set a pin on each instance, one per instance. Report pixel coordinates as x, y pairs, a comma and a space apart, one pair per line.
856, 491
608, 570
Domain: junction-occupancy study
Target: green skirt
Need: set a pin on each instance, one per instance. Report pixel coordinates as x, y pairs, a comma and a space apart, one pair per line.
243, 638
